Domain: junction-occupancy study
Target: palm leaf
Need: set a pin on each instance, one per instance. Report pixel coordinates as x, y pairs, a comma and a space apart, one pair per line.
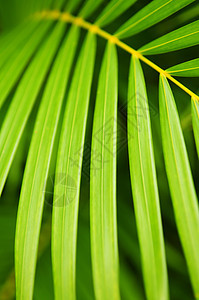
144, 187
66, 194
151, 14
181, 38
187, 69
29, 87
32, 193
37, 70
12, 69
195, 120
113, 10
10, 43
89, 7
104, 251
180, 181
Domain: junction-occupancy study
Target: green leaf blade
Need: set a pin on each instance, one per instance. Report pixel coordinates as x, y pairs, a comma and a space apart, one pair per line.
187, 69
113, 10
33, 187
151, 14
89, 7
20, 107
180, 181
69, 164
195, 121
144, 186
181, 38
104, 249
12, 69
14, 39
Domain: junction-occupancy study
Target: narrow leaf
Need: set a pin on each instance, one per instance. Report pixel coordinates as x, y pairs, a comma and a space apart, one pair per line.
151, 14
181, 185
144, 187
195, 121
11, 70
187, 69
113, 10
68, 174
14, 40
181, 38
24, 100
89, 7
104, 249
33, 187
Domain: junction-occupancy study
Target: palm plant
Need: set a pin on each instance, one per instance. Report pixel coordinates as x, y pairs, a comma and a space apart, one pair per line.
59, 86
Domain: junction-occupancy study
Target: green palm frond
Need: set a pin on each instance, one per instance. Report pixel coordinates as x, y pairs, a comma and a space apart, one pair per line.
151, 14
187, 69
65, 210
55, 71
180, 180
103, 224
181, 38
13, 64
37, 166
195, 116
29, 87
114, 9
144, 187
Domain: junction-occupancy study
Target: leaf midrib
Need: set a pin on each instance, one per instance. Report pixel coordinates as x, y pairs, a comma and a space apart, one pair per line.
80, 22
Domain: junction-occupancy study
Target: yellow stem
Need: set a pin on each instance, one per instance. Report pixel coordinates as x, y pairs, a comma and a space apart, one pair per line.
68, 18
